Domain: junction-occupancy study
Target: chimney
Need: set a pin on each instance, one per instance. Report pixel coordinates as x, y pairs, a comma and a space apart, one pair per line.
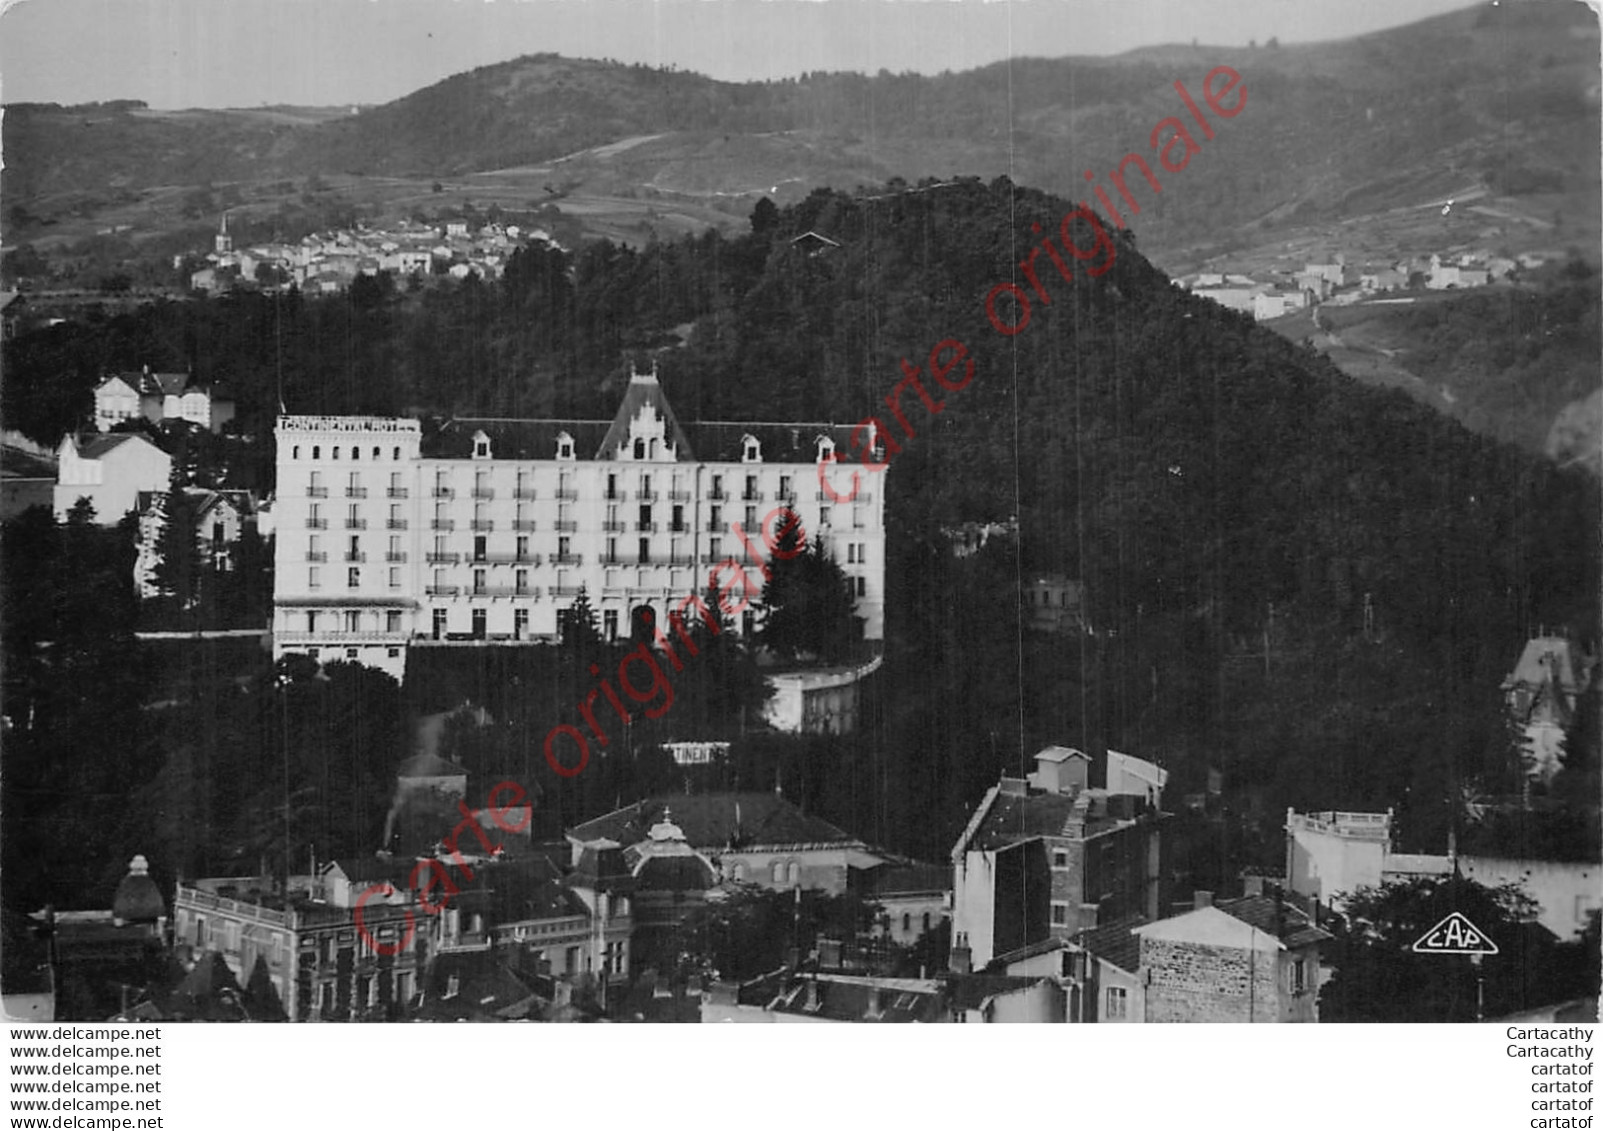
1201, 899
962, 960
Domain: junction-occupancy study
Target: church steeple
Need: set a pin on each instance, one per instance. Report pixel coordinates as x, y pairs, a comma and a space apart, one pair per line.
224, 242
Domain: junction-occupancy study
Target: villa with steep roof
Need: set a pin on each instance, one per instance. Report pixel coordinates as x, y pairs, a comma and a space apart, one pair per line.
484, 531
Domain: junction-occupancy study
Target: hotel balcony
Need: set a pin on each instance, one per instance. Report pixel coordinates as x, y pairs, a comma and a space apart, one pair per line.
443, 524
563, 590
646, 527
444, 493
395, 557
616, 495
397, 493
484, 492
395, 524
568, 493
483, 524
491, 591
316, 556
679, 496
356, 492
356, 524
524, 525
444, 559
567, 559
317, 492
647, 495
356, 558
751, 496
443, 590
567, 525
612, 527
317, 524
718, 527
524, 493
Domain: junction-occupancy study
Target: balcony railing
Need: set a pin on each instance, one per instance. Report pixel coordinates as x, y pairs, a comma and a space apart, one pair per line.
568, 559
647, 495
523, 493
719, 527
646, 527
356, 558
678, 528
567, 525
751, 495
356, 524
679, 496
317, 492
484, 492
397, 493
443, 524
444, 493
718, 494
563, 590
523, 525
491, 591
317, 524
395, 524
444, 559
679, 559
483, 524
443, 590
617, 495
612, 560
613, 527
356, 492
568, 493
316, 556
395, 556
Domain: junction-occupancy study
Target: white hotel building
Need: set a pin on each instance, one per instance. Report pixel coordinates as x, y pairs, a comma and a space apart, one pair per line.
485, 531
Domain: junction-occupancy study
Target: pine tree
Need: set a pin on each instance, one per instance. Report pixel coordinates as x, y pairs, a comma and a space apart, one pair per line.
581, 631
180, 561
806, 609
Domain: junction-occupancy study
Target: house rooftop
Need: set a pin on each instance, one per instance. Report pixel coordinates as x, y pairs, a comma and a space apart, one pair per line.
717, 822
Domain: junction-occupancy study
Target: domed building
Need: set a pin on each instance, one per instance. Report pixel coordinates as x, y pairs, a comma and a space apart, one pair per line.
138, 899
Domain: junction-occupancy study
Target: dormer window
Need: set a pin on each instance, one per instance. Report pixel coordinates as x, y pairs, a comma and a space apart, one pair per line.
481, 446
826, 448
564, 446
640, 449
751, 451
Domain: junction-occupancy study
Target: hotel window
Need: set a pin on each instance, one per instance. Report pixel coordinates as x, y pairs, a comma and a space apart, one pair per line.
794, 875
353, 483
311, 621
481, 547
314, 578
907, 923
481, 448
478, 581
851, 553
564, 447
392, 620
784, 486
523, 547
717, 486
862, 586
640, 449
316, 487
395, 547
779, 872
353, 578
1118, 1003
609, 622
751, 517
862, 553
715, 549
522, 581
353, 621
439, 623
520, 624
715, 516
1060, 914
564, 547
823, 516
678, 518
926, 922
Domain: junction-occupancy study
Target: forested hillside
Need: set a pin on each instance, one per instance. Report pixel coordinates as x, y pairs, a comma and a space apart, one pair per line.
1232, 502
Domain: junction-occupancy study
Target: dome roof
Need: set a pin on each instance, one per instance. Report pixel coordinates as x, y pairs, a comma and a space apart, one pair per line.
138, 899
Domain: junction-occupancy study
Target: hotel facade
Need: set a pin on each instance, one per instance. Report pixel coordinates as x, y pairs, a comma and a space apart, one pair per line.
484, 531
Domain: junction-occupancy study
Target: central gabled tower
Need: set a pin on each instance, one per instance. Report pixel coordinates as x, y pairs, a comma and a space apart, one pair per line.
645, 429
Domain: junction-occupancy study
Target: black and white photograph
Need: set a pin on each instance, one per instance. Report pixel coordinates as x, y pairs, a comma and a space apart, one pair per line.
737, 512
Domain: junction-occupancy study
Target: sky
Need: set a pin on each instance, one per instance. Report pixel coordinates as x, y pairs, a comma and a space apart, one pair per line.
218, 53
